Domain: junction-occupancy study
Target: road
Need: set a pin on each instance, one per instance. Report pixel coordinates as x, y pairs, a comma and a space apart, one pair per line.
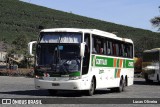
22, 87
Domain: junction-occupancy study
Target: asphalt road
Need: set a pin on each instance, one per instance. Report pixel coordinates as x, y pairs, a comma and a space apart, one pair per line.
22, 87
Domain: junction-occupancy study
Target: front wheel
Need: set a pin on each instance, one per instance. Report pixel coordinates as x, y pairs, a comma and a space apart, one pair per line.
91, 91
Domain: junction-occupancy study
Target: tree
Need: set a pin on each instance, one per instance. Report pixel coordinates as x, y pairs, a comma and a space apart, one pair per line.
156, 21
20, 44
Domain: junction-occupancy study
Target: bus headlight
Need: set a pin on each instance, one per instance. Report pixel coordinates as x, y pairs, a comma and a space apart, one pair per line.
38, 77
75, 78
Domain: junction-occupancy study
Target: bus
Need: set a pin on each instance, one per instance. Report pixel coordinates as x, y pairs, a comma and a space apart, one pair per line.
151, 65
82, 59
137, 65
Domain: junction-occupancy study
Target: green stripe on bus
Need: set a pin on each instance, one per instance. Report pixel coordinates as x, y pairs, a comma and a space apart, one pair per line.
75, 74
115, 73
124, 63
117, 63
129, 63
100, 61
103, 62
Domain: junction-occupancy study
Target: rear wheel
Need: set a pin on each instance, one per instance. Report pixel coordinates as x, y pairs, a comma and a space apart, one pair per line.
52, 92
121, 86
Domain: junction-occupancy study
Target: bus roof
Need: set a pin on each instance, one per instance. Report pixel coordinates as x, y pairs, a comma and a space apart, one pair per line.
152, 50
92, 31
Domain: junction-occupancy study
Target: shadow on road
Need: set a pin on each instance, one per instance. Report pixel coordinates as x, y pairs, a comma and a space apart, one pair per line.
59, 94
27, 92
146, 83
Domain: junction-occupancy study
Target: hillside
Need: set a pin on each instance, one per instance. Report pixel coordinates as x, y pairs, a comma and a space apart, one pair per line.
23, 19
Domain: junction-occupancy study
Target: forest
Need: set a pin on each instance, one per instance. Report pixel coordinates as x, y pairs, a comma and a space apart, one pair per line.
20, 21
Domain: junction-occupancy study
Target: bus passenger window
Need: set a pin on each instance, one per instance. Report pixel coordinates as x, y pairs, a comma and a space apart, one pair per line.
114, 49
128, 51
123, 50
98, 46
101, 45
131, 52
109, 50
120, 50
104, 48
117, 49
93, 46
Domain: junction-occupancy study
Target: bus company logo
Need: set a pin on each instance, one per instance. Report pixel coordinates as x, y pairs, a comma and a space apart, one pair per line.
6, 101
130, 64
101, 62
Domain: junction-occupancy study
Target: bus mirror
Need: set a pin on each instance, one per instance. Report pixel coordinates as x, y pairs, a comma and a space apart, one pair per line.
82, 49
30, 47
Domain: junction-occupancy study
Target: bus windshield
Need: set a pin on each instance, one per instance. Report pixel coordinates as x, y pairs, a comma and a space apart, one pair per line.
64, 58
60, 51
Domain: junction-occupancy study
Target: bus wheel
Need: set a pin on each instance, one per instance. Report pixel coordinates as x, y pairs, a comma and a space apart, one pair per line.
121, 86
146, 78
91, 91
158, 79
52, 92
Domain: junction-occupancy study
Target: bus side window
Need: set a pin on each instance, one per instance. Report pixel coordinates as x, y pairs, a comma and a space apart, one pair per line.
108, 48
104, 49
96, 46
128, 51
123, 50
117, 49
120, 50
131, 51
114, 49
93, 46
101, 46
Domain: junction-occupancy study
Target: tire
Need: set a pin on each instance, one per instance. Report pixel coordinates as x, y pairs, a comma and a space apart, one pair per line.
158, 79
121, 86
146, 78
52, 92
91, 91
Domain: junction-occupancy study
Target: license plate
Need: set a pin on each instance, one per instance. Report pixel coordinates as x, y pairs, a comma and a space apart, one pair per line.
55, 84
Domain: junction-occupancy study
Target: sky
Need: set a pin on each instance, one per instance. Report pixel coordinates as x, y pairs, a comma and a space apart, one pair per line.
134, 13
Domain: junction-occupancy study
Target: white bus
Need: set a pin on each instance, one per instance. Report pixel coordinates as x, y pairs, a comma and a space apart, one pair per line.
82, 59
151, 65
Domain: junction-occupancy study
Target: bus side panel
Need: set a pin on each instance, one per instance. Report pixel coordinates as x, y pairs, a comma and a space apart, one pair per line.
129, 74
105, 77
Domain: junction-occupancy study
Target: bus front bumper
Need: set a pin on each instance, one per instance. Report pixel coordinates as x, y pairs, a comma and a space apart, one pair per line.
59, 85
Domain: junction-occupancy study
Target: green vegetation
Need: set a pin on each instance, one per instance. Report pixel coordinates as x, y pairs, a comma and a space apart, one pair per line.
23, 19
156, 22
